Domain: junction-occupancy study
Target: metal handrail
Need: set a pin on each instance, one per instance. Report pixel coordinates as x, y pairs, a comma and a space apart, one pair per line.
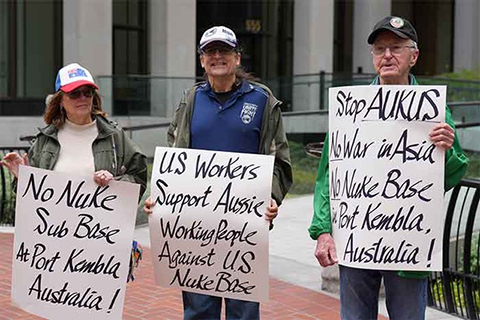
462, 104
454, 289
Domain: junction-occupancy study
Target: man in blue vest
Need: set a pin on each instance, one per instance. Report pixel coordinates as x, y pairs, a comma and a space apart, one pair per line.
230, 112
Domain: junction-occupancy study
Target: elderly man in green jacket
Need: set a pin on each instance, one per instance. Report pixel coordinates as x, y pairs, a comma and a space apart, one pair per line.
395, 52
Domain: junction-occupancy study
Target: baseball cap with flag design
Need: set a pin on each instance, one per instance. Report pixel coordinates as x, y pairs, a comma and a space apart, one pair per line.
73, 76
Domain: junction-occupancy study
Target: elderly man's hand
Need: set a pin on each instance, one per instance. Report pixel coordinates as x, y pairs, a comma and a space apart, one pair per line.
442, 135
325, 252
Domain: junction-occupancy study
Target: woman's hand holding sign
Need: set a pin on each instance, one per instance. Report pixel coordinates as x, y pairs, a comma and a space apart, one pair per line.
12, 161
102, 177
442, 135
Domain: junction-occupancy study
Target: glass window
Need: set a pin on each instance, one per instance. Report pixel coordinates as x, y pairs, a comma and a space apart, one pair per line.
4, 46
31, 39
130, 90
435, 34
37, 55
265, 32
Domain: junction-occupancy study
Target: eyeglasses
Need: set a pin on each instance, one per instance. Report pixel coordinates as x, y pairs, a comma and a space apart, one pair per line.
75, 94
379, 50
221, 50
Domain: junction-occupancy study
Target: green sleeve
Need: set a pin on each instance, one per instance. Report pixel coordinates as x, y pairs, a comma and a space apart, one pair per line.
456, 162
35, 151
321, 221
134, 163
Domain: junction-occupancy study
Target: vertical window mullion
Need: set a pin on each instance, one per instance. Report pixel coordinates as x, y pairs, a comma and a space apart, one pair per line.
12, 69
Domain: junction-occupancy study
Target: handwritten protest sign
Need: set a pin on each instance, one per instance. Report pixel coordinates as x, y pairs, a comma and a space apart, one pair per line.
208, 231
72, 245
386, 177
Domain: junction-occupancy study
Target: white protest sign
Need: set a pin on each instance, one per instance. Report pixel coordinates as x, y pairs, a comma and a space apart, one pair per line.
386, 176
208, 231
72, 247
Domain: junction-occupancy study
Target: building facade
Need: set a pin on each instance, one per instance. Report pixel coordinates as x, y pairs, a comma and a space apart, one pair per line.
143, 52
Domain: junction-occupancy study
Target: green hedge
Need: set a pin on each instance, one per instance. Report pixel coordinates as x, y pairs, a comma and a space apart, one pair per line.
8, 214
304, 169
473, 170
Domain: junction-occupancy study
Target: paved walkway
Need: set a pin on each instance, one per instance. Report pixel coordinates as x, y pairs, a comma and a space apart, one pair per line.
295, 277
144, 300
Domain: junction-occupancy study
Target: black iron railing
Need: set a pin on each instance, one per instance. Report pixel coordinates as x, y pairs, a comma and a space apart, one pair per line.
141, 95
456, 289
7, 195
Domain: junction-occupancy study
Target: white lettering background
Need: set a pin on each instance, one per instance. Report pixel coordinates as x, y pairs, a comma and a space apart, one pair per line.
386, 177
208, 231
55, 240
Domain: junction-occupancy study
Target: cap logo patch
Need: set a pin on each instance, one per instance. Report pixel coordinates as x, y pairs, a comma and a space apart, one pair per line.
248, 112
227, 32
73, 73
397, 22
210, 32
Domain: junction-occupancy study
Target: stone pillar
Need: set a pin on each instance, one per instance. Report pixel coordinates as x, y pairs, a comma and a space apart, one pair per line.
365, 14
466, 35
313, 50
87, 30
172, 52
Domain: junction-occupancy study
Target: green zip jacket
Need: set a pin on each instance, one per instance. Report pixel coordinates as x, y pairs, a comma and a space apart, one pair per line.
456, 163
112, 151
273, 140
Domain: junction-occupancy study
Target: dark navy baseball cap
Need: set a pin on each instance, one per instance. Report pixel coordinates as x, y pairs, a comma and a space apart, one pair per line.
397, 25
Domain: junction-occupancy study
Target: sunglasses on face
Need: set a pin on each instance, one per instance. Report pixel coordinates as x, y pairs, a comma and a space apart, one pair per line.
221, 50
75, 94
